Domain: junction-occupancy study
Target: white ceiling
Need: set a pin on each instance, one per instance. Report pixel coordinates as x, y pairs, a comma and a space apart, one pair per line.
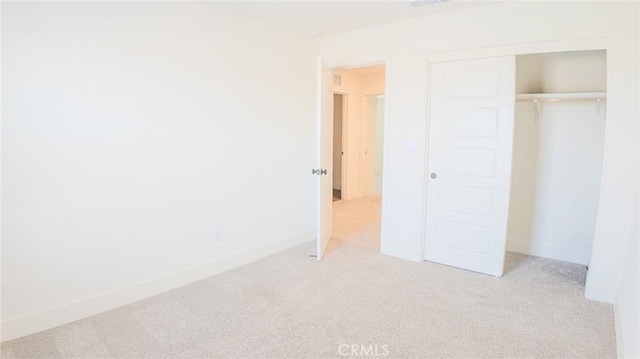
332, 17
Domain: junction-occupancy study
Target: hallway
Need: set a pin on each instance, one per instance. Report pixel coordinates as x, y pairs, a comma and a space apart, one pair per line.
356, 223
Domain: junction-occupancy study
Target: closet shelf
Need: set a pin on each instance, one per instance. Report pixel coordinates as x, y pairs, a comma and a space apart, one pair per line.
570, 96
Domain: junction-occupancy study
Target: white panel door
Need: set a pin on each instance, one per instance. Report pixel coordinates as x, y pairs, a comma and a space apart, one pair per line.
324, 187
469, 169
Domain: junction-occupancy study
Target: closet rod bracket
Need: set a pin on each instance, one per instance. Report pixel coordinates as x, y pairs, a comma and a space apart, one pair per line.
599, 107
538, 111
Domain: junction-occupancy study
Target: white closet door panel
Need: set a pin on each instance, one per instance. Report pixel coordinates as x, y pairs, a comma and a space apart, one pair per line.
474, 81
470, 123
468, 161
476, 201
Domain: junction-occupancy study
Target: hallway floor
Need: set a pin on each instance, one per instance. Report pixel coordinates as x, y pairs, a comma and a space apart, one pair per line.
291, 306
356, 223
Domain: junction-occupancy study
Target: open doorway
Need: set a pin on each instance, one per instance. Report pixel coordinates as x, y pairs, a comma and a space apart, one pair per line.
358, 137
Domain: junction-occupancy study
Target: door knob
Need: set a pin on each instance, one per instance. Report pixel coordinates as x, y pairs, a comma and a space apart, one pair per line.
434, 175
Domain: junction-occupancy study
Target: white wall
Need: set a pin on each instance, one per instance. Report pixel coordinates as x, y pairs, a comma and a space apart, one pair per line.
372, 85
578, 71
626, 309
368, 116
338, 110
132, 132
555, 182
516, 27
379, 166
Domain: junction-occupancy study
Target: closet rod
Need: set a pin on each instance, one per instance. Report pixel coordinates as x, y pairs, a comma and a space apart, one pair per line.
556, 97
539, 98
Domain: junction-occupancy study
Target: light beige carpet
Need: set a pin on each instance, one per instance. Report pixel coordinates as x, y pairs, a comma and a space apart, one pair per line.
291, 306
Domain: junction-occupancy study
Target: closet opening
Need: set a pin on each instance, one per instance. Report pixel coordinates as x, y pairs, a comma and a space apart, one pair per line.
558, 146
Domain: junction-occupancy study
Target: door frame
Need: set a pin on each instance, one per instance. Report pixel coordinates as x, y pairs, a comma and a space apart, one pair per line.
509, 50
343, 160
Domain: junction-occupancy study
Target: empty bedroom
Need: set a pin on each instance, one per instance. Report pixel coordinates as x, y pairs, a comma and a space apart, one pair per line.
319, 179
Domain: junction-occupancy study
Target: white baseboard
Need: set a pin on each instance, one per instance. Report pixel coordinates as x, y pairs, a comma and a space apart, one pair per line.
599, 292
35, 322
617, 320
408, 253
566, 254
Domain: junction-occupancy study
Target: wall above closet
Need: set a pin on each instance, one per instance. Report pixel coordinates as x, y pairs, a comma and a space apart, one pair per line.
562, 72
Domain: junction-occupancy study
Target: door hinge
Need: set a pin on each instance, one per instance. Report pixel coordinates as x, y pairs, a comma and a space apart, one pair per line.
317, 171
